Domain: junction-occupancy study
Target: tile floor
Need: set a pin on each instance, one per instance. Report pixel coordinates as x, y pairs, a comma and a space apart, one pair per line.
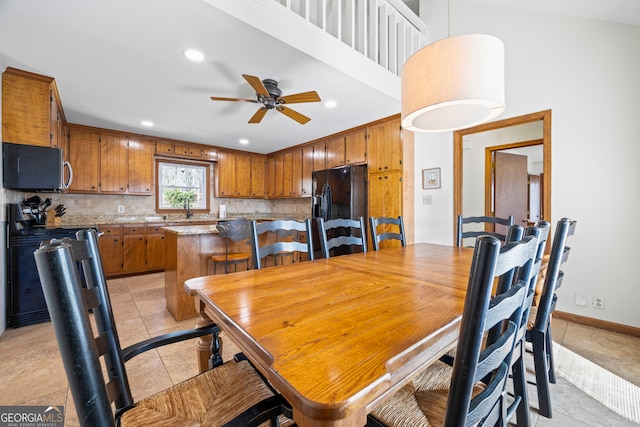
31, 372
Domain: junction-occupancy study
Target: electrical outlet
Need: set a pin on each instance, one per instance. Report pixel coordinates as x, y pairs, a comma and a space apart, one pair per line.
120, 209
598, 302
580, 300
426, 199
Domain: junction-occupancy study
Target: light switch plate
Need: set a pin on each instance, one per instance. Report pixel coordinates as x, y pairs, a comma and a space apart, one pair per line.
426, 199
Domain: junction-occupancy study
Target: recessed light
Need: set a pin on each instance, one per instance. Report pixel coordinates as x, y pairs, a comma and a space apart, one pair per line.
243, 141
330, 104
147, 123
194, 55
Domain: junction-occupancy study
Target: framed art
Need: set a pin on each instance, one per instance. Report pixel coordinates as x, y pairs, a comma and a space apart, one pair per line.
430, 178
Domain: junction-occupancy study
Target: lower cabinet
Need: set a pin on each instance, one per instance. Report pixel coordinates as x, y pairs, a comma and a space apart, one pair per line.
131, 248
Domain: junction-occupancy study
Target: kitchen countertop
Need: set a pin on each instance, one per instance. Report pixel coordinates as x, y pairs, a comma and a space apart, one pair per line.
173, 219
190, 230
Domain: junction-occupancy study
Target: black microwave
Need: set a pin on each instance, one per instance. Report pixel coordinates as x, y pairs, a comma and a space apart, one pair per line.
34, 168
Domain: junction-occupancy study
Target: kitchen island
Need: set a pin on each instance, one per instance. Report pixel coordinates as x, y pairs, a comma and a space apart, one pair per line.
188, 249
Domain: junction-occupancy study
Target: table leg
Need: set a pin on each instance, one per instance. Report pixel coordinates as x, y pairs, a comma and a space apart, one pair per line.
203, 347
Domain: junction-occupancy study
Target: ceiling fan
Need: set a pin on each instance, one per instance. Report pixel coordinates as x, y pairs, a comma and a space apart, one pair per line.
270, 96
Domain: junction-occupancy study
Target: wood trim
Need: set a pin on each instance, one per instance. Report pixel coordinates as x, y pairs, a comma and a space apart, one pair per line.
458, 135
597, 323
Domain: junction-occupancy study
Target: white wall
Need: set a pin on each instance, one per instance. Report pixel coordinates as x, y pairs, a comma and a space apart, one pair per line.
585, 71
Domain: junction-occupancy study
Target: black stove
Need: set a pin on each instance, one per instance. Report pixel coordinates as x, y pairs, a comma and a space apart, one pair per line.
25, 301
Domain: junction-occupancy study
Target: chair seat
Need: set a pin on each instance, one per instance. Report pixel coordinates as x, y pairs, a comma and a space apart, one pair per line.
233, 257
422, 402
209, 399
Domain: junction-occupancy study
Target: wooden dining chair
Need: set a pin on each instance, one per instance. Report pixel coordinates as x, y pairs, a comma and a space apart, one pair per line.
472, 391
487, 222
342, 236
261, 249
230, 393
390, 229
539, 327
239, 231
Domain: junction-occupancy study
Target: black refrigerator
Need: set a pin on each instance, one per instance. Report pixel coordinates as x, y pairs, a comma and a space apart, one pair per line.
338, 193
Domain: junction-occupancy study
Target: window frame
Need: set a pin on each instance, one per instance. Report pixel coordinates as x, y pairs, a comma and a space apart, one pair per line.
207, 185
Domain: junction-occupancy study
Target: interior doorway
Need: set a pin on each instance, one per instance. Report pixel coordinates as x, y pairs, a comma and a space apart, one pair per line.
470, 195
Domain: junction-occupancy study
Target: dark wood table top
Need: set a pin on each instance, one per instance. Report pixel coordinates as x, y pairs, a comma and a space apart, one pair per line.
337, 336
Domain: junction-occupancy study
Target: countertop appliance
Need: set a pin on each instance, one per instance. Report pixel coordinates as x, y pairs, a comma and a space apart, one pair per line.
34, 168
338, 193
25, 301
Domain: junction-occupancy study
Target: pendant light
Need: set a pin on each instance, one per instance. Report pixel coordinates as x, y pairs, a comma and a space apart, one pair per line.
454, 83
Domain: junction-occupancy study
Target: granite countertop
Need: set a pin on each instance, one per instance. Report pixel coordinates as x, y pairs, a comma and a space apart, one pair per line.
190, 230
173, 219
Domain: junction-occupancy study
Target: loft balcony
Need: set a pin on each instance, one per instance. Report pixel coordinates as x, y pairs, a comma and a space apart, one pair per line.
367, 39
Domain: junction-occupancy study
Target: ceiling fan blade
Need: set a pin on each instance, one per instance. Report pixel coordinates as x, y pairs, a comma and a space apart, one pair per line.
300, 118
257, 85
311, 96
217, 98
257, 117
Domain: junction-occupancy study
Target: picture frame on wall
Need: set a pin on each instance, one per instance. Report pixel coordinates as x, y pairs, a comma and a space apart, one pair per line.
430, 178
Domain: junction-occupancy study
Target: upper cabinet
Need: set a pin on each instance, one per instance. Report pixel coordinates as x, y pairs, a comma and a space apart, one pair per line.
385, 147
110, 162
348, 149
240, 174
31, 110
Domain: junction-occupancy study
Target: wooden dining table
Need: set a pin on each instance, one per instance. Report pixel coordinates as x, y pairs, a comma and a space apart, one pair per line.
337, 336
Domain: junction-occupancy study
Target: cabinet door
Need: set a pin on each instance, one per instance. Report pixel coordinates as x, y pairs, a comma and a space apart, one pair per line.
134, 253
111, 254
355, 147
155, 251
225, 173
307, 169
140, 166
385, 147
385, 194
319, 156
271, 177
84, 157
335, 152
163, 147
26, 108
243, 175
279, 175
296, 172
287, 177
113, 163
258, 164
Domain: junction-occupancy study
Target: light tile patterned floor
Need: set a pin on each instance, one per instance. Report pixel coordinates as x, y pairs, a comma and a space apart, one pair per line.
31, 372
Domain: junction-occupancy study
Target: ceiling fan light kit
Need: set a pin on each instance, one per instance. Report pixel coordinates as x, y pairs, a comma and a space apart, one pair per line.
270, 96
454, 83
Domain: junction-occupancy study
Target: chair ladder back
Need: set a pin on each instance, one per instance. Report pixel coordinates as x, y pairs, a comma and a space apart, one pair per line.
487, 220
103, 314
260, 252
325, 228
386, 234
481, 312
62, 286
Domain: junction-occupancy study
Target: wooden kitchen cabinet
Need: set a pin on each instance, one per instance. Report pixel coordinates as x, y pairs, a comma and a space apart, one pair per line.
234, 174
140, 166
335, 152
185, 150
110, 246
385, 147
272, 190
155, 247
385, 194
307, 170
113, 163
258, 175
134, 249
296, 172
319, 156
355, 147
84, 157
31, 109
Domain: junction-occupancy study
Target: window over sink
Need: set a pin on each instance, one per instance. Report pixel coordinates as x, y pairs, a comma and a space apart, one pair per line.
182, 186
